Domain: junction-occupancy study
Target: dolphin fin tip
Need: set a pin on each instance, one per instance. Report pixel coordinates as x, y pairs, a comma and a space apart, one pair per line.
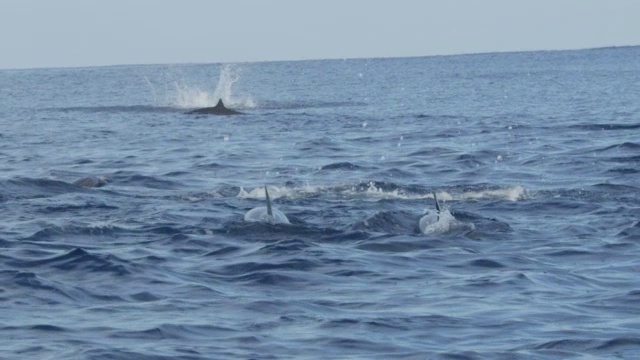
269, 209
435, 199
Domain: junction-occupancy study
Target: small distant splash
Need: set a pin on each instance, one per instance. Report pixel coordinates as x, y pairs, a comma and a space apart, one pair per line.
189, 97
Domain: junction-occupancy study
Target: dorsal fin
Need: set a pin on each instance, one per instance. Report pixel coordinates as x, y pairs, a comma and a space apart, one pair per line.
220, 104
435, 198
269, 209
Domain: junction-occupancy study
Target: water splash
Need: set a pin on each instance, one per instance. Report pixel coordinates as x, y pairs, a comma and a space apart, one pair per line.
229, 75
512, 193
275, 192
446, 223
194, 97
375, 192
188, 97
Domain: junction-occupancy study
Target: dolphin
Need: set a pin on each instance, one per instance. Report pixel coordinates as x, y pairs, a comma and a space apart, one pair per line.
91, 181
266, 214
441, 221
219, 109
429, 221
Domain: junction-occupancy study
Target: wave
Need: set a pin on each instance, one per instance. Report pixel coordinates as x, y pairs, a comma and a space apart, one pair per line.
577, 345
193, 98
175, 331
486, 263
79, 259
34, 289
84, 205
305, 104
605, 127
119, 109
341, 166
30, 188
622, 146
37, 327
125, 178
35, 286
377, 190
98, 228
390, 222
632, 232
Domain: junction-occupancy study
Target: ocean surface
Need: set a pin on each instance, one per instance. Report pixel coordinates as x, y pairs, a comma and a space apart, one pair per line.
534, 157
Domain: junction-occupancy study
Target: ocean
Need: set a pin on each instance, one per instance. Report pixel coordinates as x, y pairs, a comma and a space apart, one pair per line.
533, 156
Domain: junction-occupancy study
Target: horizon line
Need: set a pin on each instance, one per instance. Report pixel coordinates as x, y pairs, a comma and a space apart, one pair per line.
70, 67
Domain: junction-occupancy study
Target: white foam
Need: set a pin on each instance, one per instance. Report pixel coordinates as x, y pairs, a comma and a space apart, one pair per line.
229, 75
373, 192
377, 193
275, 192
188, 97
513, 193
444, 223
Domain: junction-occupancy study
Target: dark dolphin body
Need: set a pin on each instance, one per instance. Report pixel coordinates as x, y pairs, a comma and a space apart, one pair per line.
268, 214
219, 109
91, 182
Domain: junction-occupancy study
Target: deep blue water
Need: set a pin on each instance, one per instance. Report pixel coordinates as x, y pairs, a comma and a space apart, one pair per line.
535, 154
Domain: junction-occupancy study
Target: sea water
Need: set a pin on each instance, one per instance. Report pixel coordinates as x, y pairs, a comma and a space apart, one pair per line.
535, 156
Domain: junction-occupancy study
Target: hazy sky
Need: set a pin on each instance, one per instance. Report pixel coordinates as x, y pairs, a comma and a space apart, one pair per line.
54, 33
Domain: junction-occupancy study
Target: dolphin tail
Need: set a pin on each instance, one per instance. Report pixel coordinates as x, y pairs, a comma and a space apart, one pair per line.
269, 209
435, 198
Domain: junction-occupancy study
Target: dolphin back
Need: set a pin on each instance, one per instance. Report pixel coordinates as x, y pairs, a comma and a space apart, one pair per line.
266, 214
219, 109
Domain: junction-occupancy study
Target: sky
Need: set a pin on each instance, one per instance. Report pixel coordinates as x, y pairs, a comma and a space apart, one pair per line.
71, 33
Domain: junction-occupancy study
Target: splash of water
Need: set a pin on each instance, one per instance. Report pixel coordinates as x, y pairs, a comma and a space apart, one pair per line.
194, 97
447, 223
512, 193
188, 97
275, 192
375, 193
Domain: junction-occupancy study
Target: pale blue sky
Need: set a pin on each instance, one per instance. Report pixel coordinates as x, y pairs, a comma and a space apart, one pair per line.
57, 33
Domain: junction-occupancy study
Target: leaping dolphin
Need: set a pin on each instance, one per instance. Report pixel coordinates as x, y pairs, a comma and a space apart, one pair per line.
268, 214
219, 109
